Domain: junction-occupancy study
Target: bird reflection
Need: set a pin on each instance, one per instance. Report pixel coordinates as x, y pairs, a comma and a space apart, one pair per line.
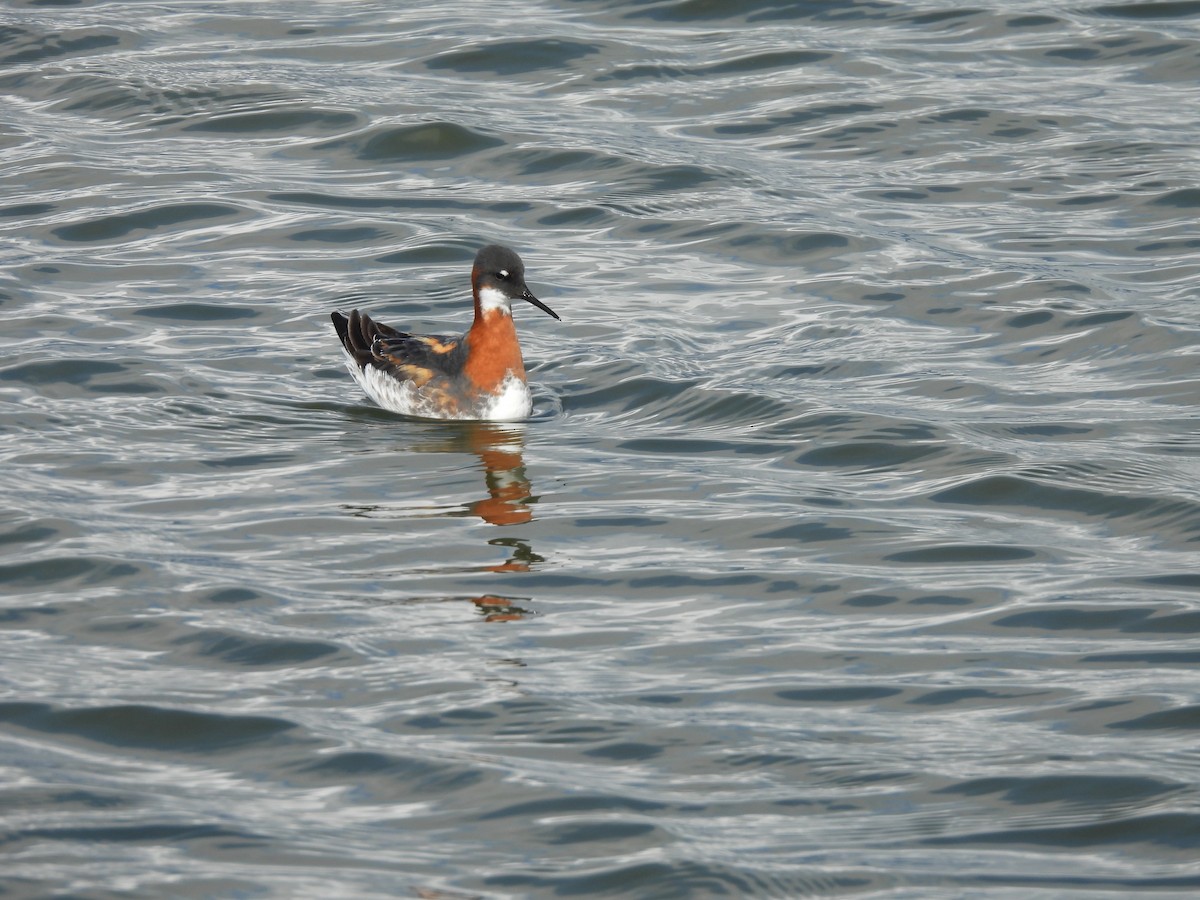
499, 609
500, 449
521, 558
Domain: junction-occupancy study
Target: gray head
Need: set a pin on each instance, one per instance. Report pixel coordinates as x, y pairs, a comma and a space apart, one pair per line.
498, 277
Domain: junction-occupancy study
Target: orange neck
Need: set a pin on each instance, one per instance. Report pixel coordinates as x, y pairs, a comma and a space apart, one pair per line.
492, 351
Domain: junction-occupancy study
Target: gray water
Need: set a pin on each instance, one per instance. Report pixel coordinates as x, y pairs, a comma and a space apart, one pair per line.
850, 551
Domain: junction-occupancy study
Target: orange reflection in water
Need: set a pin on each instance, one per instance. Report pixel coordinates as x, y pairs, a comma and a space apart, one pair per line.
505, 609
498, 609
501, 450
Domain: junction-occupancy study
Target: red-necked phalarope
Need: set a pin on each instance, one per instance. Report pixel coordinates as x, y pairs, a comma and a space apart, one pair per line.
477, 376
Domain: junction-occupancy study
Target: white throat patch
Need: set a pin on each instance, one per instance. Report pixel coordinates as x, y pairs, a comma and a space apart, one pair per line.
490, 298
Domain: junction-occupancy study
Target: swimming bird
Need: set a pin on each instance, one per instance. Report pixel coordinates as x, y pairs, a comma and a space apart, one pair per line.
480, 375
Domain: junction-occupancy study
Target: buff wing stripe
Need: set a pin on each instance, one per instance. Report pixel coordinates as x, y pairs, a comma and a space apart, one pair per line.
417, 358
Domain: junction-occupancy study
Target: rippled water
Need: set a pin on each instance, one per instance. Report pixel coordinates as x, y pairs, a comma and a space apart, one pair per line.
851, 550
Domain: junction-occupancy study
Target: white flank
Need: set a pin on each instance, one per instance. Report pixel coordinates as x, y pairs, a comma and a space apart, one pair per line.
511, 404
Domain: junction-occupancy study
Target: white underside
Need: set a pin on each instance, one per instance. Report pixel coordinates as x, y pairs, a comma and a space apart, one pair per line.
512, 403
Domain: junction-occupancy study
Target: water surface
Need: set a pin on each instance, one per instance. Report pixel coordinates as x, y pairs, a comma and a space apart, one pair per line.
851, 549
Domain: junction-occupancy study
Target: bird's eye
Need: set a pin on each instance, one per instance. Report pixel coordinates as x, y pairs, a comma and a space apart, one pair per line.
503, 273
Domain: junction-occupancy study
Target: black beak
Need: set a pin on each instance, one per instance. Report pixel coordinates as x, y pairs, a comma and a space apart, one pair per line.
527, 295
